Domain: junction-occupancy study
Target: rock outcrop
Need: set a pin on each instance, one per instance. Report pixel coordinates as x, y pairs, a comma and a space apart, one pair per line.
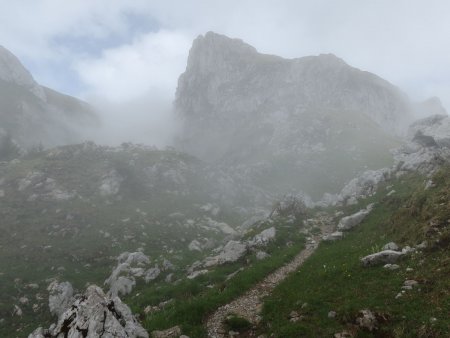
349, 222
129, 267
94, 314
231, 252
32, 114
382, 257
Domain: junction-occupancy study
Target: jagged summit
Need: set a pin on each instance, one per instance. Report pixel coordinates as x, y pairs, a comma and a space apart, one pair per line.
32, 114
217, 62
12, 71
242, 107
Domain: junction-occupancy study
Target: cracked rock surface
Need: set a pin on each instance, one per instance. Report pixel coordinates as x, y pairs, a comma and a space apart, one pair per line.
94, 315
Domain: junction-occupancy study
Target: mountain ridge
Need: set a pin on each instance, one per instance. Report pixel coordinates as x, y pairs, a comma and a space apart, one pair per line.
32, 114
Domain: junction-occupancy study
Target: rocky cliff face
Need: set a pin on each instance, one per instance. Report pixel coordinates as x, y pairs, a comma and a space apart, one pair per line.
33, 114
242, 107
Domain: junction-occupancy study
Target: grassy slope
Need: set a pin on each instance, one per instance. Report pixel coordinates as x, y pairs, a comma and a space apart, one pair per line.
26, 227
194, 300
333, 278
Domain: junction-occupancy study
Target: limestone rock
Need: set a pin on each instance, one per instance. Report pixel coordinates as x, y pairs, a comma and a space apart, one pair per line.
260, 255
152, 274
391, 246
382, 257
333, 236
264, 237
195, 246
231, 252
60, 297
391, 266
367, 320
129, 267
351, 221
197, 273
94, 315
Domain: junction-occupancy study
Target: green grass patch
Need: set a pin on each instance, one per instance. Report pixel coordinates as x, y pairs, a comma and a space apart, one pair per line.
334, 280
193, 300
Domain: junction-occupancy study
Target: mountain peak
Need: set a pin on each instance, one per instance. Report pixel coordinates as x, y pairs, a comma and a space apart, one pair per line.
212, 40
12, 71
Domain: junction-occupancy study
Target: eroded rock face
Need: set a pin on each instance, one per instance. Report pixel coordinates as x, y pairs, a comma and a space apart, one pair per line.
94, 315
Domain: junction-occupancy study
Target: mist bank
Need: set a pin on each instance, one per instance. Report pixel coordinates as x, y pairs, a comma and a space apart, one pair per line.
148, 120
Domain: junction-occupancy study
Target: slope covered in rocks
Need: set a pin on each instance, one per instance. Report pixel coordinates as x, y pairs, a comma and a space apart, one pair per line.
68, 213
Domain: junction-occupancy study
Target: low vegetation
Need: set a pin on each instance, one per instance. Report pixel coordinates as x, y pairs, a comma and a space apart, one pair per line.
194, 300
332, 287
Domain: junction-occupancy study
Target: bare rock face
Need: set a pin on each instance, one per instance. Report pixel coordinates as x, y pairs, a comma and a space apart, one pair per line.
94, 315
283, 120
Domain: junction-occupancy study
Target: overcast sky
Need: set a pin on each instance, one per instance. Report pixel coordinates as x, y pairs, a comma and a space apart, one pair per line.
123, 50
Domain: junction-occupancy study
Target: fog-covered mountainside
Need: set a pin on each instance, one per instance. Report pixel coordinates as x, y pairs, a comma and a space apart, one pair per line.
134, 241
66, 213
310, 123
32, 114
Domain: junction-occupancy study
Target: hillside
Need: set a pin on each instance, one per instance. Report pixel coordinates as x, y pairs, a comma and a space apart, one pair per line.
180, 255
34, 115
220, 238
69, 212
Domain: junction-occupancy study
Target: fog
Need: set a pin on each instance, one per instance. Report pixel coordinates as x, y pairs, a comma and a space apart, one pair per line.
148, 120
167, 168
112, 52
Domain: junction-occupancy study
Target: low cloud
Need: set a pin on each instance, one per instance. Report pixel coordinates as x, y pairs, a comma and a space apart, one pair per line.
113, 52
150, 65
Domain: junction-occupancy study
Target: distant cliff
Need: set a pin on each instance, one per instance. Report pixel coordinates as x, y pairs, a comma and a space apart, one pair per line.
32, 114
303, 123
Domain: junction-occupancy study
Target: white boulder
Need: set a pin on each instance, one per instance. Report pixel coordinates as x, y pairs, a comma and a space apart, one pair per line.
348, 222
382, 257
264, 237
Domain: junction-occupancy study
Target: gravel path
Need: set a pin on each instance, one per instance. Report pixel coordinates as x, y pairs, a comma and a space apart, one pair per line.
249, 305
